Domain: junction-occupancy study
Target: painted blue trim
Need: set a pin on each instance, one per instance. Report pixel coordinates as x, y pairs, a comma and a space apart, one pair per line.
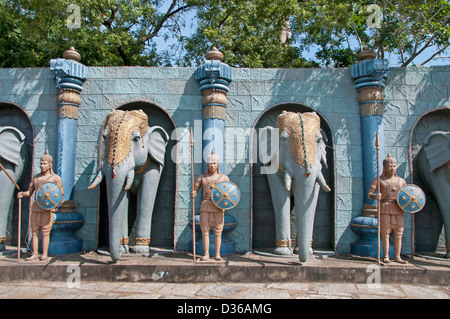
369, 126
66, 148
213, 138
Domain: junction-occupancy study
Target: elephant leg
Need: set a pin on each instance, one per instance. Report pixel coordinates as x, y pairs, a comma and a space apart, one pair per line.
145, 203
282, 207
118, 223
5, 204
445, 212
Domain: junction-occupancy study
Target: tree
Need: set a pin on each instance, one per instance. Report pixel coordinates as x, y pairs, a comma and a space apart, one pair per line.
250, 33
111, 32
403, 27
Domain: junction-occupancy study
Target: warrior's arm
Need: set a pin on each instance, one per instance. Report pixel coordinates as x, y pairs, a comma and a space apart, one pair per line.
197, 186
28, 192
373, 189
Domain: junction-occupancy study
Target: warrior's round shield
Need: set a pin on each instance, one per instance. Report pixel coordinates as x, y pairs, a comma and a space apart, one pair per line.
225, 195
48, 196
411, 198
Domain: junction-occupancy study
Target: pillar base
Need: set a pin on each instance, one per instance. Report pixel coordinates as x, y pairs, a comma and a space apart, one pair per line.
226, 248
62, 237
367, 244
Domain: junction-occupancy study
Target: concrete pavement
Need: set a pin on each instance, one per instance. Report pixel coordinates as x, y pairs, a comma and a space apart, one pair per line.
151, 290
164, 274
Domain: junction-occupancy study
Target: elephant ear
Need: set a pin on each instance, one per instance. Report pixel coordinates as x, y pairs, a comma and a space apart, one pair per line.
437, 149
11, 141
266, 152
157, 142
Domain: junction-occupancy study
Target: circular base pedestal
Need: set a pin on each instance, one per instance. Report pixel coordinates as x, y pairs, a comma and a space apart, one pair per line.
65, 247
367, 244
226, 248
62, 236
365, 249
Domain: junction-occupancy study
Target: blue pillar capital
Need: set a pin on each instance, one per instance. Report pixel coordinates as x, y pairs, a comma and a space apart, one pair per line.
68, 71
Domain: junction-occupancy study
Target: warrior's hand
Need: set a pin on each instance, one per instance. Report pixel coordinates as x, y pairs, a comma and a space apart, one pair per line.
193, 194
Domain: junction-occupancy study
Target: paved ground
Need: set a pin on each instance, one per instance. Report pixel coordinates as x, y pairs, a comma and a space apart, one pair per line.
174, 276
151, 290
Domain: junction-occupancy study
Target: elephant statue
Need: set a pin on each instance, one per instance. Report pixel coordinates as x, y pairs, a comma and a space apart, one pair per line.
133, 162
296, 151
13, 158
433, 163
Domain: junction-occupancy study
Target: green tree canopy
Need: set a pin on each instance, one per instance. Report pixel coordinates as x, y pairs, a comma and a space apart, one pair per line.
250, 33
110, 32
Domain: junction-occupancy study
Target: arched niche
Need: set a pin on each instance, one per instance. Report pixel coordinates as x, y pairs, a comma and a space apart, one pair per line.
428, 235
262, 213
12, 114
163, 219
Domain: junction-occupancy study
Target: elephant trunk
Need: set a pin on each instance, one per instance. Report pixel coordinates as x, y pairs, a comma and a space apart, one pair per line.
117, 211
305, 219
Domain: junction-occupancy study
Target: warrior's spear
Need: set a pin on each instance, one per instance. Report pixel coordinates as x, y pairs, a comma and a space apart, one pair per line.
193, 202
377, 147
20, 212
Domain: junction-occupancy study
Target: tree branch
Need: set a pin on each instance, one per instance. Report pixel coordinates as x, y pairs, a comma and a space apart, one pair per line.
161, 22
431, 58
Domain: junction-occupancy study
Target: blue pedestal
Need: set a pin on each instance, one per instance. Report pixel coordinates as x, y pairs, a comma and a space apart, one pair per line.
62, 236
226, 248
367, 244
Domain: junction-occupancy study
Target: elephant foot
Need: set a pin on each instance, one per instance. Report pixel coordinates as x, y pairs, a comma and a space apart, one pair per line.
123, 249
140, 249
283, 251
447, 255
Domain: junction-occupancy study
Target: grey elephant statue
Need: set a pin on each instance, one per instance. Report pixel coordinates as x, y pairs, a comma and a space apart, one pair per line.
134, 162
13, 158
433, 163
294, 169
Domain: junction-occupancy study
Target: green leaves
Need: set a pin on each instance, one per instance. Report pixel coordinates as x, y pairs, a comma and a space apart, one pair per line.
250, 33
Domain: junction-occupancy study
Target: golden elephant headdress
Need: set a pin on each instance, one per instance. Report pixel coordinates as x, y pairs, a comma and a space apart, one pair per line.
302, 129
120, 126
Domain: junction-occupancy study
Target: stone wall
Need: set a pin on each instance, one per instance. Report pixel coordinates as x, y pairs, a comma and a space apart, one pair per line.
409, 93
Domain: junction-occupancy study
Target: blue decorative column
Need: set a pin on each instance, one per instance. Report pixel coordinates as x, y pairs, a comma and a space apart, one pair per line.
70, 76
368, 76
214, 76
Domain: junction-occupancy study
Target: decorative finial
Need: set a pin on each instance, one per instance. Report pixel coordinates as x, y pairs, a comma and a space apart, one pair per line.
214, 54
366, 54
72, 54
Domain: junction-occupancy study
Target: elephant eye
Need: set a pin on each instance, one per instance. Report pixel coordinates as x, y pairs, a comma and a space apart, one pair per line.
136, 138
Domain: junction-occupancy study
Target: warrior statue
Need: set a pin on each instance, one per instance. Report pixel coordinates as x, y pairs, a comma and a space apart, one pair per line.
391, 214
210, 214
44, 205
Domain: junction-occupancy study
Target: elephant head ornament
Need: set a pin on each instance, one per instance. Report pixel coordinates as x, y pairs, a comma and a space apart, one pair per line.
14, 158
133, 162
433, 162
296, 151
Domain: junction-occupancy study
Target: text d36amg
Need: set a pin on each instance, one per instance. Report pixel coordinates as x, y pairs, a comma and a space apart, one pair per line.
246, 308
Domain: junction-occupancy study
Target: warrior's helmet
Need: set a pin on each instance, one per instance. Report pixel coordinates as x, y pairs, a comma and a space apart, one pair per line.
48, 158
213, 158
389, 160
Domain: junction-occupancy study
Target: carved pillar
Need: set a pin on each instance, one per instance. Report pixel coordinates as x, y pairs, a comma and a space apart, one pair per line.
70, 76
214, 76
369, 76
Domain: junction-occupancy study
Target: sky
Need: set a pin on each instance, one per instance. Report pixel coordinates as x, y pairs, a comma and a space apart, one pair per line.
394, 59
